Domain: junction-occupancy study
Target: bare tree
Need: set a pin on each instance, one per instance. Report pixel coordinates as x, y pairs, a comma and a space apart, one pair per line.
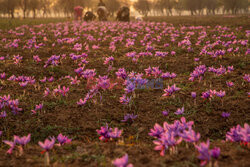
24, 5
166, 5
235, 5
143, 7
191, 6
200, 5
45, 6
9, 7
211, 6
34, 5
179, 6
113, 6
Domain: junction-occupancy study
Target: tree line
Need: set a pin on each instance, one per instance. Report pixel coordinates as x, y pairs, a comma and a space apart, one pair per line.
144, 7
195, 7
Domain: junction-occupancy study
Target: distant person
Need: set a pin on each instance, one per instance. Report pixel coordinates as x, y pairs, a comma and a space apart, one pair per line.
89, 16
101, 3
102, 13
123, 14
78, 12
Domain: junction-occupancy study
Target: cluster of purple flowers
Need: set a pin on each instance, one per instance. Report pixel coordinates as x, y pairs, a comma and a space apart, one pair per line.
154, 71
210, 93
49, 143
205, 154
23, 80
170, 135
108, 60
103, 82
106, 133
222, 70
77, 47
36, 58
7, 103
161, 54
2, 75
74, 56
63, 91
53, 60
230, 84
247, 77
168, 75
198, 73
133, 81
239, 134
121, 73
51, 79
88, 73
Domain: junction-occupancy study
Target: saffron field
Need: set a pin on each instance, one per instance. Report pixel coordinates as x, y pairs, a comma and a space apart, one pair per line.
161, 92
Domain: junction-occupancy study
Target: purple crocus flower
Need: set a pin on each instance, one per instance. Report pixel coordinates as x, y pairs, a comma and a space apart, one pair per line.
179, 111
48, 144
239, 134
247, 77
116, 133
196, 59
51, 79
63, 139
43, 80
108, 59
124, 99
166, 140
3, 114
2, 75
11, 144
107, 133
230, 84
22, 140
157, 131
230, 68
46, 92
215, 152
204, 153
81, 102
23, 84
170, 90
130, 87
165, 113
74, 81
129, 118
1, 132
193, 94
221, 93
121, 73
234, 134
39, 107
122, 162
206, 95
161, 146
36, 58
225, 114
